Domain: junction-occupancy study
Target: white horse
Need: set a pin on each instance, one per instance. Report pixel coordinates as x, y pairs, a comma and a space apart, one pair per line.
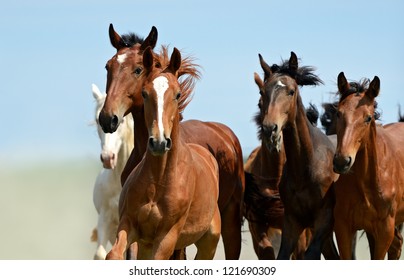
115, 151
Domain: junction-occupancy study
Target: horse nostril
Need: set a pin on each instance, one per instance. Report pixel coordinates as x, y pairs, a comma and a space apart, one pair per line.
114, 122
151, 142
348, 160
169, 143
273, 128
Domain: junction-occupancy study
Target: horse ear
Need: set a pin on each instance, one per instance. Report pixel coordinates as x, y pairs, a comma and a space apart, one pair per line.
374, 87
96, 92
175, 62
151, 39
148, 59
343, 85
258, 81
293, 62
265, 67
115, 38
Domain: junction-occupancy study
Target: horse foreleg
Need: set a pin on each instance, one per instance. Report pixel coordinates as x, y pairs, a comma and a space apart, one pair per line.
394, 251
121, 243
345, 236
207, 244
384, 235
119, 248
290, 235
302, 244
231, 229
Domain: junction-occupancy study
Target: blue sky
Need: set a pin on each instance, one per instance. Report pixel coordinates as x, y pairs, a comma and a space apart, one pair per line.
51, 52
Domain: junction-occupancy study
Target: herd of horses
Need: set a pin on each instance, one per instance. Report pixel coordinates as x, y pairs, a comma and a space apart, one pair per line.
168, 183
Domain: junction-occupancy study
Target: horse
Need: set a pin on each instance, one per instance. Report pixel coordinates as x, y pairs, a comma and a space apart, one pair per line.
169, 201
307, 182
370, 161
125, 78
329, 123
115, 151
263, 170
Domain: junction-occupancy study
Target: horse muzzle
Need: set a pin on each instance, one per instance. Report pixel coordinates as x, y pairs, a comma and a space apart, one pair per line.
273, 138
158, 147
342, 164
108, 123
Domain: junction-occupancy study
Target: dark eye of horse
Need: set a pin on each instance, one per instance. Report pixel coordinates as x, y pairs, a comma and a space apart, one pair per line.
177, 97
106, 67
291, 92
144, 94
137, 71
368, 119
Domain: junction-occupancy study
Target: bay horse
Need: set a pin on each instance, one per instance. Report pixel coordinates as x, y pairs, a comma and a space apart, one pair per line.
169, 201
115, 151
307, 183
370, 159
329, 123
263, 170
125, 80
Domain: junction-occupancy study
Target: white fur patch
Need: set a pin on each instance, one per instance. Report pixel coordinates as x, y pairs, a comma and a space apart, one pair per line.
121, 58
280, 84
160, 86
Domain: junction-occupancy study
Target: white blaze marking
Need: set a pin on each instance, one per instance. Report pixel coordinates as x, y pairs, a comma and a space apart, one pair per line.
160, 86
280, 84
121, 58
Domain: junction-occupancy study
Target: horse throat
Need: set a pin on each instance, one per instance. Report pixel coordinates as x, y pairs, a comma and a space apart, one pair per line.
297, 141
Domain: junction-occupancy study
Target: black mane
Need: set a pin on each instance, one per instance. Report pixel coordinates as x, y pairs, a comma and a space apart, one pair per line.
131, 39
304, 75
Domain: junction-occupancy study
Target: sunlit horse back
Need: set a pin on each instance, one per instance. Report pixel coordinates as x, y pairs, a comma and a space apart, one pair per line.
306, 186
169, 201
115, 151
370, 159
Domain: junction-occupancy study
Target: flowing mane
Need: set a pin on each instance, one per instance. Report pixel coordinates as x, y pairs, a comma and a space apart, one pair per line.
304, 75
187, 74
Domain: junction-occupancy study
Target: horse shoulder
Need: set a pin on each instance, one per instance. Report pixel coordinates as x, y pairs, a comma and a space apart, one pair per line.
206, 165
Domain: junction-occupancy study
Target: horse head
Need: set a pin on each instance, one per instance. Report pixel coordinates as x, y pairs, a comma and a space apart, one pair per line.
355, 119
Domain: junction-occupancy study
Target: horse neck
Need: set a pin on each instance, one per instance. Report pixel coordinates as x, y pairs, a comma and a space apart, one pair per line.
141, 134
365, 166
125, 149
297, 141
272, 163
163, 167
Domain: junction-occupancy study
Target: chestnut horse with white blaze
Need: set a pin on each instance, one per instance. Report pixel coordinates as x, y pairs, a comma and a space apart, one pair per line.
125, 80
169, 201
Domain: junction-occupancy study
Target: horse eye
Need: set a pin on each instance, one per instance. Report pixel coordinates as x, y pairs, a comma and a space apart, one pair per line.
144, 94
177, 97
106, 67
368, 119
291, 92
137, 71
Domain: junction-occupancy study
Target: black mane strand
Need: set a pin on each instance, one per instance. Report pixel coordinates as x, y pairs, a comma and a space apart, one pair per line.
131, 39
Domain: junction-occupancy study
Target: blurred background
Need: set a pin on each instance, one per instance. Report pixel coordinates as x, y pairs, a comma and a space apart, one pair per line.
52, 51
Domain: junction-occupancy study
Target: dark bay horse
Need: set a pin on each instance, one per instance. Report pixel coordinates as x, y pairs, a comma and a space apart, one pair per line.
125, 80
307, 182
169, 201
370, 159
263, 170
